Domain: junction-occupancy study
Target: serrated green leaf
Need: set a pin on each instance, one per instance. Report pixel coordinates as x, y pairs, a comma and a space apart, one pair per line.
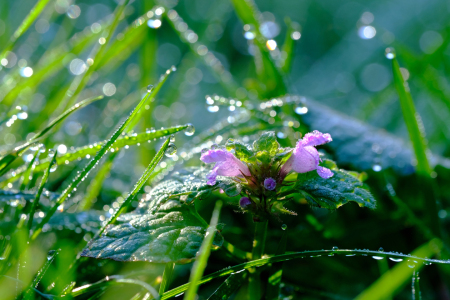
333, 192
267, 142
241, 151
164, 228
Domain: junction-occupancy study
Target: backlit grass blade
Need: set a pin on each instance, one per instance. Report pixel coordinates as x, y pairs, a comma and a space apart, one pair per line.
412, 120
91, 150
28, 293
144, 178
26, 23
167, 277
292, 34
39, 191
434, 244
26, 175
9, 158
393, 280
87, 169
202, 258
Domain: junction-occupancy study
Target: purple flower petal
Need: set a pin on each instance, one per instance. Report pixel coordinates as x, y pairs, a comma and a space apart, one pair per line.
324, 172
316, 138
226, 164
304, 159
270, 183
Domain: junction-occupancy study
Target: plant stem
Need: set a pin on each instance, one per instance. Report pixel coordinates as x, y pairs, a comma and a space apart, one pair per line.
254, 287
167, 277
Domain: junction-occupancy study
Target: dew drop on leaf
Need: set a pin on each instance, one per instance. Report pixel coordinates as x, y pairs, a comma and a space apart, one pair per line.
284, 227
171, 150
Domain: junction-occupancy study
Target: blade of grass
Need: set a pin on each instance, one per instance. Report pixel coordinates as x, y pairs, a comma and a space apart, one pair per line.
412, 120
392, 281
415, 286
93, 190
9, 158
138, 186
39, 191
276, 270
167, 277
25, 179
435, 245
26, 23
288, 46
90, 150
229, 286
80, 81
202, 258
87, 169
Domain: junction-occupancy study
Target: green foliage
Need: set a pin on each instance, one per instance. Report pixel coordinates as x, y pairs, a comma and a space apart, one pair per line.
333, 192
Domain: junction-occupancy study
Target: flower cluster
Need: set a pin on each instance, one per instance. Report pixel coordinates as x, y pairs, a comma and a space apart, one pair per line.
261, 170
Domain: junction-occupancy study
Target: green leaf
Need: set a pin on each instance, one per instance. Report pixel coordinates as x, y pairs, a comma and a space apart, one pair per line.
333, 192
267, 142
412, 120
164, 228
241, 150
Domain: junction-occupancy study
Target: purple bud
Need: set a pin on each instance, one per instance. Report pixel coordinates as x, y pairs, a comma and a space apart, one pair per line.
244, 202
270, 183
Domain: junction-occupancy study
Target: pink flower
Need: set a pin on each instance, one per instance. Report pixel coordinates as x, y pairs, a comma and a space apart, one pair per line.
226, 165
305, 157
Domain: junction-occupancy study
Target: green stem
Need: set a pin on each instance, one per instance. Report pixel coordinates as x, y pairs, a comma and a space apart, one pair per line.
167, 277
254, 287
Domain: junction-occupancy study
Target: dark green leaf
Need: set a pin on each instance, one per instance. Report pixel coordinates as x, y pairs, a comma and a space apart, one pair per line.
162, 229
267, 142
333, 192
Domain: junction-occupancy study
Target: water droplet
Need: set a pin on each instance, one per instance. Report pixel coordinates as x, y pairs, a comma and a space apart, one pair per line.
204, 150
249, 32
190, 130
390, 53
335, 248
381, 249
377, 168
214, 146
149, 88
378, 257
396, 259
173, 69
301, 110
171, 150
172, 138
284, 227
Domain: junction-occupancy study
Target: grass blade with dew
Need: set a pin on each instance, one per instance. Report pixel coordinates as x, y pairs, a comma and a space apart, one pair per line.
111, 280
80, 81
292, 34
26, 23
276, 270
25, 179
167, 277
202, 258
90, 150
93, 190
138, 186
393, 280
268, 73
412, 119
40, 189
434, 244
229, 286
28, 293
9, 158
87, 169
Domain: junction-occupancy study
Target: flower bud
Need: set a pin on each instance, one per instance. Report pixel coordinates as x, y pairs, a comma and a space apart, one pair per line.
244, 202
270, 183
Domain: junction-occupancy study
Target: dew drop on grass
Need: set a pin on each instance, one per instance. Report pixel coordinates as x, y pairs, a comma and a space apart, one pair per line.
284, 227
149, 88
190, 130
389, 53
378, 257
396, 259
381, 249
335, 248
171, 150
172, 138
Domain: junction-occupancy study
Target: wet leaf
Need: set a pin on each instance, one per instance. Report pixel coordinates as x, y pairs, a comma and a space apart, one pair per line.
162, 229
267, 142
333, 192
